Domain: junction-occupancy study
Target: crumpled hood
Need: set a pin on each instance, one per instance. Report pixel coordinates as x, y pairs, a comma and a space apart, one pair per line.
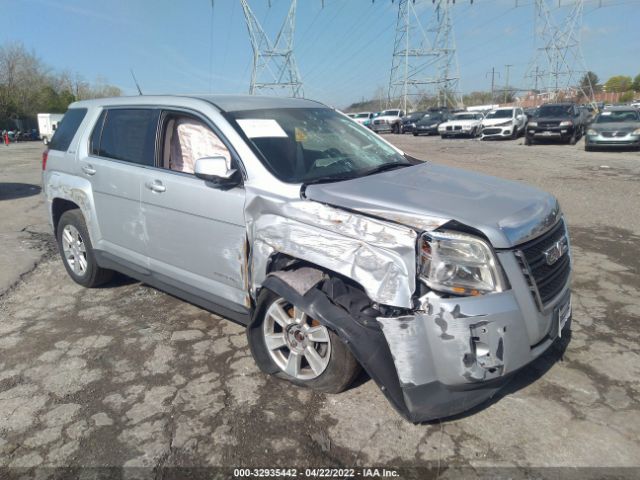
427, 196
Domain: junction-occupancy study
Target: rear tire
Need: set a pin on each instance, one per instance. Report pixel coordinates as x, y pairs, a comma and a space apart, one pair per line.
331, 369
74, 245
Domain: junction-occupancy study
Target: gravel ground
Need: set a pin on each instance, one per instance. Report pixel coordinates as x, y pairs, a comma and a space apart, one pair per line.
127, 376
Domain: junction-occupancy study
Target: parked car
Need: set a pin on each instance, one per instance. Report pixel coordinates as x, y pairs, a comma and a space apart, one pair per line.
530, 112
615, 127
428, 124
362, 117
463, 124
408, 122
556, 121
388, 121
506, 122
368, 123
334, 248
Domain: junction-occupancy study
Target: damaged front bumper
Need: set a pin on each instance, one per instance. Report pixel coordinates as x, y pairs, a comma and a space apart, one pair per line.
455, 353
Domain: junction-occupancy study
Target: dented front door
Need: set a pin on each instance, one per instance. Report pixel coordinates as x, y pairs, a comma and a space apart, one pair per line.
196, 235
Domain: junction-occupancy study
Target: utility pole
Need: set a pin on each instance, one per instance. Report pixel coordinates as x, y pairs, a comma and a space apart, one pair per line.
274, 65
424, 59
493, 82
506, 87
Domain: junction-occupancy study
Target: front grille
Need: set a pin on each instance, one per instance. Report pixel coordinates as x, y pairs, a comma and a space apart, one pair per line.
613, 134
546, 281
548, 124
491, 131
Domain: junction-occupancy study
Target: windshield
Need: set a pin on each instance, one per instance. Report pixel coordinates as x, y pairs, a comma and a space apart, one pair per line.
467, 116
362, 115
390, 113
618, 116
431, 117
302, 145
555, 111
500, 114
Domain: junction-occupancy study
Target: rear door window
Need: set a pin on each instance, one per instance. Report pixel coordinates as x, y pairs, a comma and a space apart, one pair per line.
67, 129
128, 134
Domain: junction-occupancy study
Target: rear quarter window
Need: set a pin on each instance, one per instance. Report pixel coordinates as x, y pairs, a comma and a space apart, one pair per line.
67, 129
127, 134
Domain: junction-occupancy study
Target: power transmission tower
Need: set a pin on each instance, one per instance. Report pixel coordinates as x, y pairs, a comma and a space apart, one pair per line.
424, 60
274, 65
558, 63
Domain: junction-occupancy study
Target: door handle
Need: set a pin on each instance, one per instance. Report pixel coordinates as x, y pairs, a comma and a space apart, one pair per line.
156, 186
88, 169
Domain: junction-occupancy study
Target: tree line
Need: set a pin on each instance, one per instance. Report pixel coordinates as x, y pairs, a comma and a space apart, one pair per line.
28, 86
624, 84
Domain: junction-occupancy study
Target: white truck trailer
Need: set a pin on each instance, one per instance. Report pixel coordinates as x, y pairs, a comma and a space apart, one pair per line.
47, 124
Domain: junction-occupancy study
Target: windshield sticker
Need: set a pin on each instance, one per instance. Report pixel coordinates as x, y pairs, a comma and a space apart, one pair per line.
301, 135
261, 128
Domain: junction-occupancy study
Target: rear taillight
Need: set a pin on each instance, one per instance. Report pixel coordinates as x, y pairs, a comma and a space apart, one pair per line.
45, 154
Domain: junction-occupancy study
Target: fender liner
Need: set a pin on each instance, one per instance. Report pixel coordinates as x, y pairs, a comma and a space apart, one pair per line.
367, 343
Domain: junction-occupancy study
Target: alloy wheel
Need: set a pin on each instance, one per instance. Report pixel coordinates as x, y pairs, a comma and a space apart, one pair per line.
298, 344
75, 251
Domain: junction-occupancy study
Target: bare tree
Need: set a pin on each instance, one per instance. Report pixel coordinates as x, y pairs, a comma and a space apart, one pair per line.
28, 86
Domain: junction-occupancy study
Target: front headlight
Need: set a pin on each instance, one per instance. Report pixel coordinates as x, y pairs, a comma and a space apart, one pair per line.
591, 131
566, 123
636, 131
460, 264
533, 124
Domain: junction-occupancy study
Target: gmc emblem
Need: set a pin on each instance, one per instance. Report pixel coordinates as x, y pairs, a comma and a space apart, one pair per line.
556, 251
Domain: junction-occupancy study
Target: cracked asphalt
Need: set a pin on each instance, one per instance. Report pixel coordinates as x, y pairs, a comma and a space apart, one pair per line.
128, 376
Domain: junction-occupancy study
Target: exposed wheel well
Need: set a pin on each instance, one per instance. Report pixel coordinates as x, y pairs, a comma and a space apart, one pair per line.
58, 207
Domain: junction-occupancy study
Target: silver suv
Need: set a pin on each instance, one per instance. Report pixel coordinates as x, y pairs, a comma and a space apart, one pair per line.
334, 248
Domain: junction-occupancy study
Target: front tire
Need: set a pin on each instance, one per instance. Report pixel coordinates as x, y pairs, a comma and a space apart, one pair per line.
292, 346
76, 251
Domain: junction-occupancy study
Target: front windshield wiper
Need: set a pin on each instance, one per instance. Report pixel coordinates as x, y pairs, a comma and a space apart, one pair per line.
356, 174
331, 178
384, 167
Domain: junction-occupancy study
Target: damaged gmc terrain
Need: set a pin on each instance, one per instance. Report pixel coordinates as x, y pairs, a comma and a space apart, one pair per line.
332, 246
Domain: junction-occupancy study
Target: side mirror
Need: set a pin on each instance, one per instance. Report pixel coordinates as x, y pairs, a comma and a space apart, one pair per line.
214, 169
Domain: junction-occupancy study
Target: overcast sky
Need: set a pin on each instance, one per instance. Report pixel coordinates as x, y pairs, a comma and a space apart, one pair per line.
343, 50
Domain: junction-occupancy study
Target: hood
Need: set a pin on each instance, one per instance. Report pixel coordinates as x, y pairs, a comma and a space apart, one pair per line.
496, 121
615, 126
461, 122
388, 118
427, 196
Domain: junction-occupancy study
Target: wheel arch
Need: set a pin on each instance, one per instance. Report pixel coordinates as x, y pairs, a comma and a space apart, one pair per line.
365, 341
58, 207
